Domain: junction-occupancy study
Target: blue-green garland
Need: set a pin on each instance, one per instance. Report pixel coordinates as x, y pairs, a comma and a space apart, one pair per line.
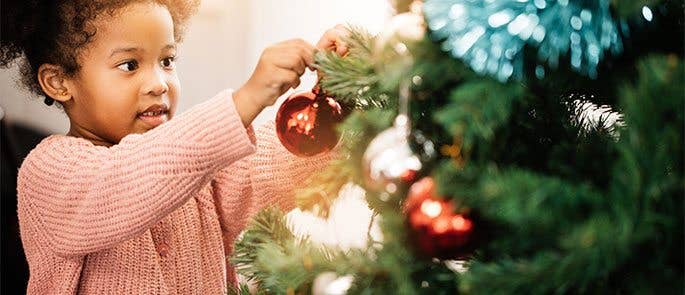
490, 36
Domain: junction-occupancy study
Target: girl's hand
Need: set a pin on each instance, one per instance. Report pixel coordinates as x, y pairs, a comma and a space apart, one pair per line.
279, 68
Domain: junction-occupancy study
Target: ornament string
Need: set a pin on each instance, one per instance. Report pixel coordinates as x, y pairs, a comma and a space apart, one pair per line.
369, 238
404, 93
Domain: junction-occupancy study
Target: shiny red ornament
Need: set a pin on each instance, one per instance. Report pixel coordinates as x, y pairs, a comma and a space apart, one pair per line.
305, 123
436, 229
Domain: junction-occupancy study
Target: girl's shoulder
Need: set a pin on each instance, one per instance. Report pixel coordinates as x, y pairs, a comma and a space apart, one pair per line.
58, 148
59, 141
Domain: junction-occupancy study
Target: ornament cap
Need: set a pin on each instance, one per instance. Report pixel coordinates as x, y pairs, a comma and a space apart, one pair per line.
316, 89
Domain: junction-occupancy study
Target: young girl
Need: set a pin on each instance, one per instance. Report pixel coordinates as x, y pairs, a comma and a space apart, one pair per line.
131, 201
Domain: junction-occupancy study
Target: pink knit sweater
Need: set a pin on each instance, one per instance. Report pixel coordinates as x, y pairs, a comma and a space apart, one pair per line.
155, 214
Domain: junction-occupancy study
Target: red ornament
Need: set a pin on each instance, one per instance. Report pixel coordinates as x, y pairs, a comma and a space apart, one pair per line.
305, 123
437, 230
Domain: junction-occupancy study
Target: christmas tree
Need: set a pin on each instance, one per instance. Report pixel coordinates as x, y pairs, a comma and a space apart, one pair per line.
516, 147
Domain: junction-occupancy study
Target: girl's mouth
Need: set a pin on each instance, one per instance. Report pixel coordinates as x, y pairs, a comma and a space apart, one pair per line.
155, 115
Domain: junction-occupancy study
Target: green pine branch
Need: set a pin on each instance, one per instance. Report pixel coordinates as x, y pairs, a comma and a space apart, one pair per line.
351, 79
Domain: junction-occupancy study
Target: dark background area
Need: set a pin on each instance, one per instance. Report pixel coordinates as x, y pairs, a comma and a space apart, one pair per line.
16, 142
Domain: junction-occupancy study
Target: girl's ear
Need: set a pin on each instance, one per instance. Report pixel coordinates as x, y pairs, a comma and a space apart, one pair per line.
52, 80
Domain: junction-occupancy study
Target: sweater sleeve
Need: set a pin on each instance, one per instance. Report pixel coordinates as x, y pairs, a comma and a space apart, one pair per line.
269, 177
84, 198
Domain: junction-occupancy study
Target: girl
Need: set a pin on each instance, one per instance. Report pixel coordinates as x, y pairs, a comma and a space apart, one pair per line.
131, 201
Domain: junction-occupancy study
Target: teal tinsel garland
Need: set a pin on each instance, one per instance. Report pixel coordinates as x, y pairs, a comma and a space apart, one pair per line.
490, 36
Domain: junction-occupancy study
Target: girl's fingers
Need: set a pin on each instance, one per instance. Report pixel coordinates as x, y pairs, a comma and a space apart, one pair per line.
285, 75
302, 48
306, 52
292, 61
332, 40
295, 54
327, 41
341, 47
290, 79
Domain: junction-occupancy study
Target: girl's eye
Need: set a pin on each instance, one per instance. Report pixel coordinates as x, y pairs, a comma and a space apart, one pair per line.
169, 62
128, 66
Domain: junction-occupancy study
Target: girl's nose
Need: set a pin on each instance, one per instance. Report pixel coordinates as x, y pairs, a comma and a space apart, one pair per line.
156, 84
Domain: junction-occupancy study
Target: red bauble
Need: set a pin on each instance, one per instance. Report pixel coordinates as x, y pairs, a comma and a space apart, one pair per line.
436, 229
305, 123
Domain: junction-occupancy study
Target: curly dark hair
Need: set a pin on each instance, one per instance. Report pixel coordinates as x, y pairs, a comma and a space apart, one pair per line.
53, 31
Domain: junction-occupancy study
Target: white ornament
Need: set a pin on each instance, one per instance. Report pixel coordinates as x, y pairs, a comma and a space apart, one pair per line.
328, 283
404, 27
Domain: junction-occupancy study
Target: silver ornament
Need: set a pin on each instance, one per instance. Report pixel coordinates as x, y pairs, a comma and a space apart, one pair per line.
389, 160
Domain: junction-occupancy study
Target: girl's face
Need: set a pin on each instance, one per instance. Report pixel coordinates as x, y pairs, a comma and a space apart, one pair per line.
127, 80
